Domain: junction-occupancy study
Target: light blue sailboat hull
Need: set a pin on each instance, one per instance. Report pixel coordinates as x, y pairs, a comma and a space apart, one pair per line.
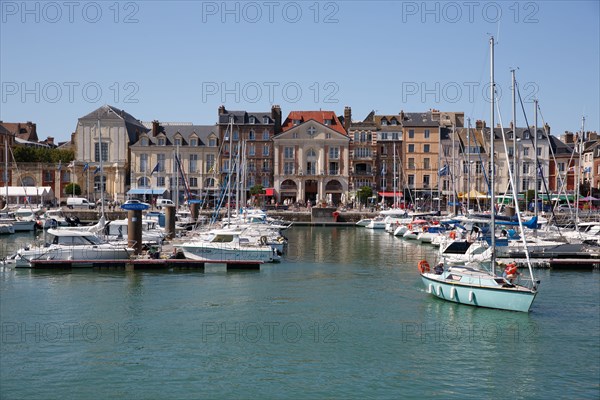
500, 298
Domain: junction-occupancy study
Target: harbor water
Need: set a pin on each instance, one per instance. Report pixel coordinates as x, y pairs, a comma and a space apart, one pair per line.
344, 315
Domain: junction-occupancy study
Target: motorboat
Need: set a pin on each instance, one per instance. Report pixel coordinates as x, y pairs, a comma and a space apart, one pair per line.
69, 245
226, 245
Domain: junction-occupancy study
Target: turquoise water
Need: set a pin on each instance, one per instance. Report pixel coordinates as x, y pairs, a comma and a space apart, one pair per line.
344, 316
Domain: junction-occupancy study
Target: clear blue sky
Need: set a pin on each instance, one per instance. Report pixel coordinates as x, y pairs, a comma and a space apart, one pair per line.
179, 60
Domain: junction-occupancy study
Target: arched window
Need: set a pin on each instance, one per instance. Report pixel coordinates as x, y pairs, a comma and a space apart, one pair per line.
143, 182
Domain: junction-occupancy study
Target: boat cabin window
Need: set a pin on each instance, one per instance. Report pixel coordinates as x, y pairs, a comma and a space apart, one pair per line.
454, 277
223, 239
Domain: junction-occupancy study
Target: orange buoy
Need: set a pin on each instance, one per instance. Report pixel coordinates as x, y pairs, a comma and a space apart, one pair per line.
424, 266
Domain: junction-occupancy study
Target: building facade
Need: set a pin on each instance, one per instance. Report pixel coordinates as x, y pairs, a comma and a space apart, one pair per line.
155, 170
101, 143
246, 140
311, 159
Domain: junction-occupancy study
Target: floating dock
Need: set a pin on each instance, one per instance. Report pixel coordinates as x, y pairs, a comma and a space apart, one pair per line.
143, 264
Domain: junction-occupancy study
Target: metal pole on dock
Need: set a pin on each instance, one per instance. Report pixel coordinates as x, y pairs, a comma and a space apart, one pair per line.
134, 230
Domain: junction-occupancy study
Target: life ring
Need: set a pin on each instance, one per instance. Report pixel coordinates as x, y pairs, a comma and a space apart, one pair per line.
425, 229
410, 227
263, 240
452, 234
424, 266
436, 222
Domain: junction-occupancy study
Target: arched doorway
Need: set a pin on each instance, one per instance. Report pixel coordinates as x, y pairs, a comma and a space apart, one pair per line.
289, 192
311, 189
333, 191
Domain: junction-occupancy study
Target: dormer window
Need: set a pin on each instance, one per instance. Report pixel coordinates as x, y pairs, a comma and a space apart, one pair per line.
178, 142
193, 142
265, 120
144, 142
252, 120
161, 141
526, 136
212, 142
393, 122
384, 122
296, 122
328, 122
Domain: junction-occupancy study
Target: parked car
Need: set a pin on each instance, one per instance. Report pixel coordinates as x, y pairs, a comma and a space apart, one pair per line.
164, 202
80, 202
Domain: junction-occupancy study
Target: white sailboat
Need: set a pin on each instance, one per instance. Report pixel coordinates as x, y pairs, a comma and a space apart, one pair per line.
471, 283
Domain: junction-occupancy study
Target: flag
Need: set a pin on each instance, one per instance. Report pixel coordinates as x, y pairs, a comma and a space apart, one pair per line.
97, 170
71, 164
443, 171
587, 169
155, 168
540, 171
86, 166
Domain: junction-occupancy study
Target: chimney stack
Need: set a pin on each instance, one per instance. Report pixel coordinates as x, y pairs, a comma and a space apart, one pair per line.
155, 127
479, 124
347, 117
222, 110
276, 115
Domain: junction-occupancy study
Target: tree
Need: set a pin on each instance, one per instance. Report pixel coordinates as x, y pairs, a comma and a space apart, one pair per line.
256, 190
364, 193
73, 188
42, 154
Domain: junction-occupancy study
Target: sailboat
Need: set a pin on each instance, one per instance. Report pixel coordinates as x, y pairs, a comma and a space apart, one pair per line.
472, 283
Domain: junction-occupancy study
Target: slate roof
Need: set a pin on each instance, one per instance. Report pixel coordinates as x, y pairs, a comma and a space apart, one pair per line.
186, 131
107, 112
243, 117
319, 116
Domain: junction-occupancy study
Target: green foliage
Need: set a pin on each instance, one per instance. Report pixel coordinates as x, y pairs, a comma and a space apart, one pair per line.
72, 187
364, 193
41, 154
256, 189
529, 195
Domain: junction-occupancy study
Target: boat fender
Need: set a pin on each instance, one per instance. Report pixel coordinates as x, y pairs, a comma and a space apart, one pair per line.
410, 227
430, 288
424, 266
452, 292
471, 295
439, 290
452, 235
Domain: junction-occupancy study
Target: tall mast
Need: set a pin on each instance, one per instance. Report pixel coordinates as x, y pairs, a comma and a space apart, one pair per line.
577, 183
468, 164
453, 171
394, 185
514, 132
101, 169
492, 168
537, 171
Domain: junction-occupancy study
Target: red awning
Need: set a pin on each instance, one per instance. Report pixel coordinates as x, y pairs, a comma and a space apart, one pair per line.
389, 194
269, 191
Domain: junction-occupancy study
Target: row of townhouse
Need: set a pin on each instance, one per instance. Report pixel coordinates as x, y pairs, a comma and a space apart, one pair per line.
316, 155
